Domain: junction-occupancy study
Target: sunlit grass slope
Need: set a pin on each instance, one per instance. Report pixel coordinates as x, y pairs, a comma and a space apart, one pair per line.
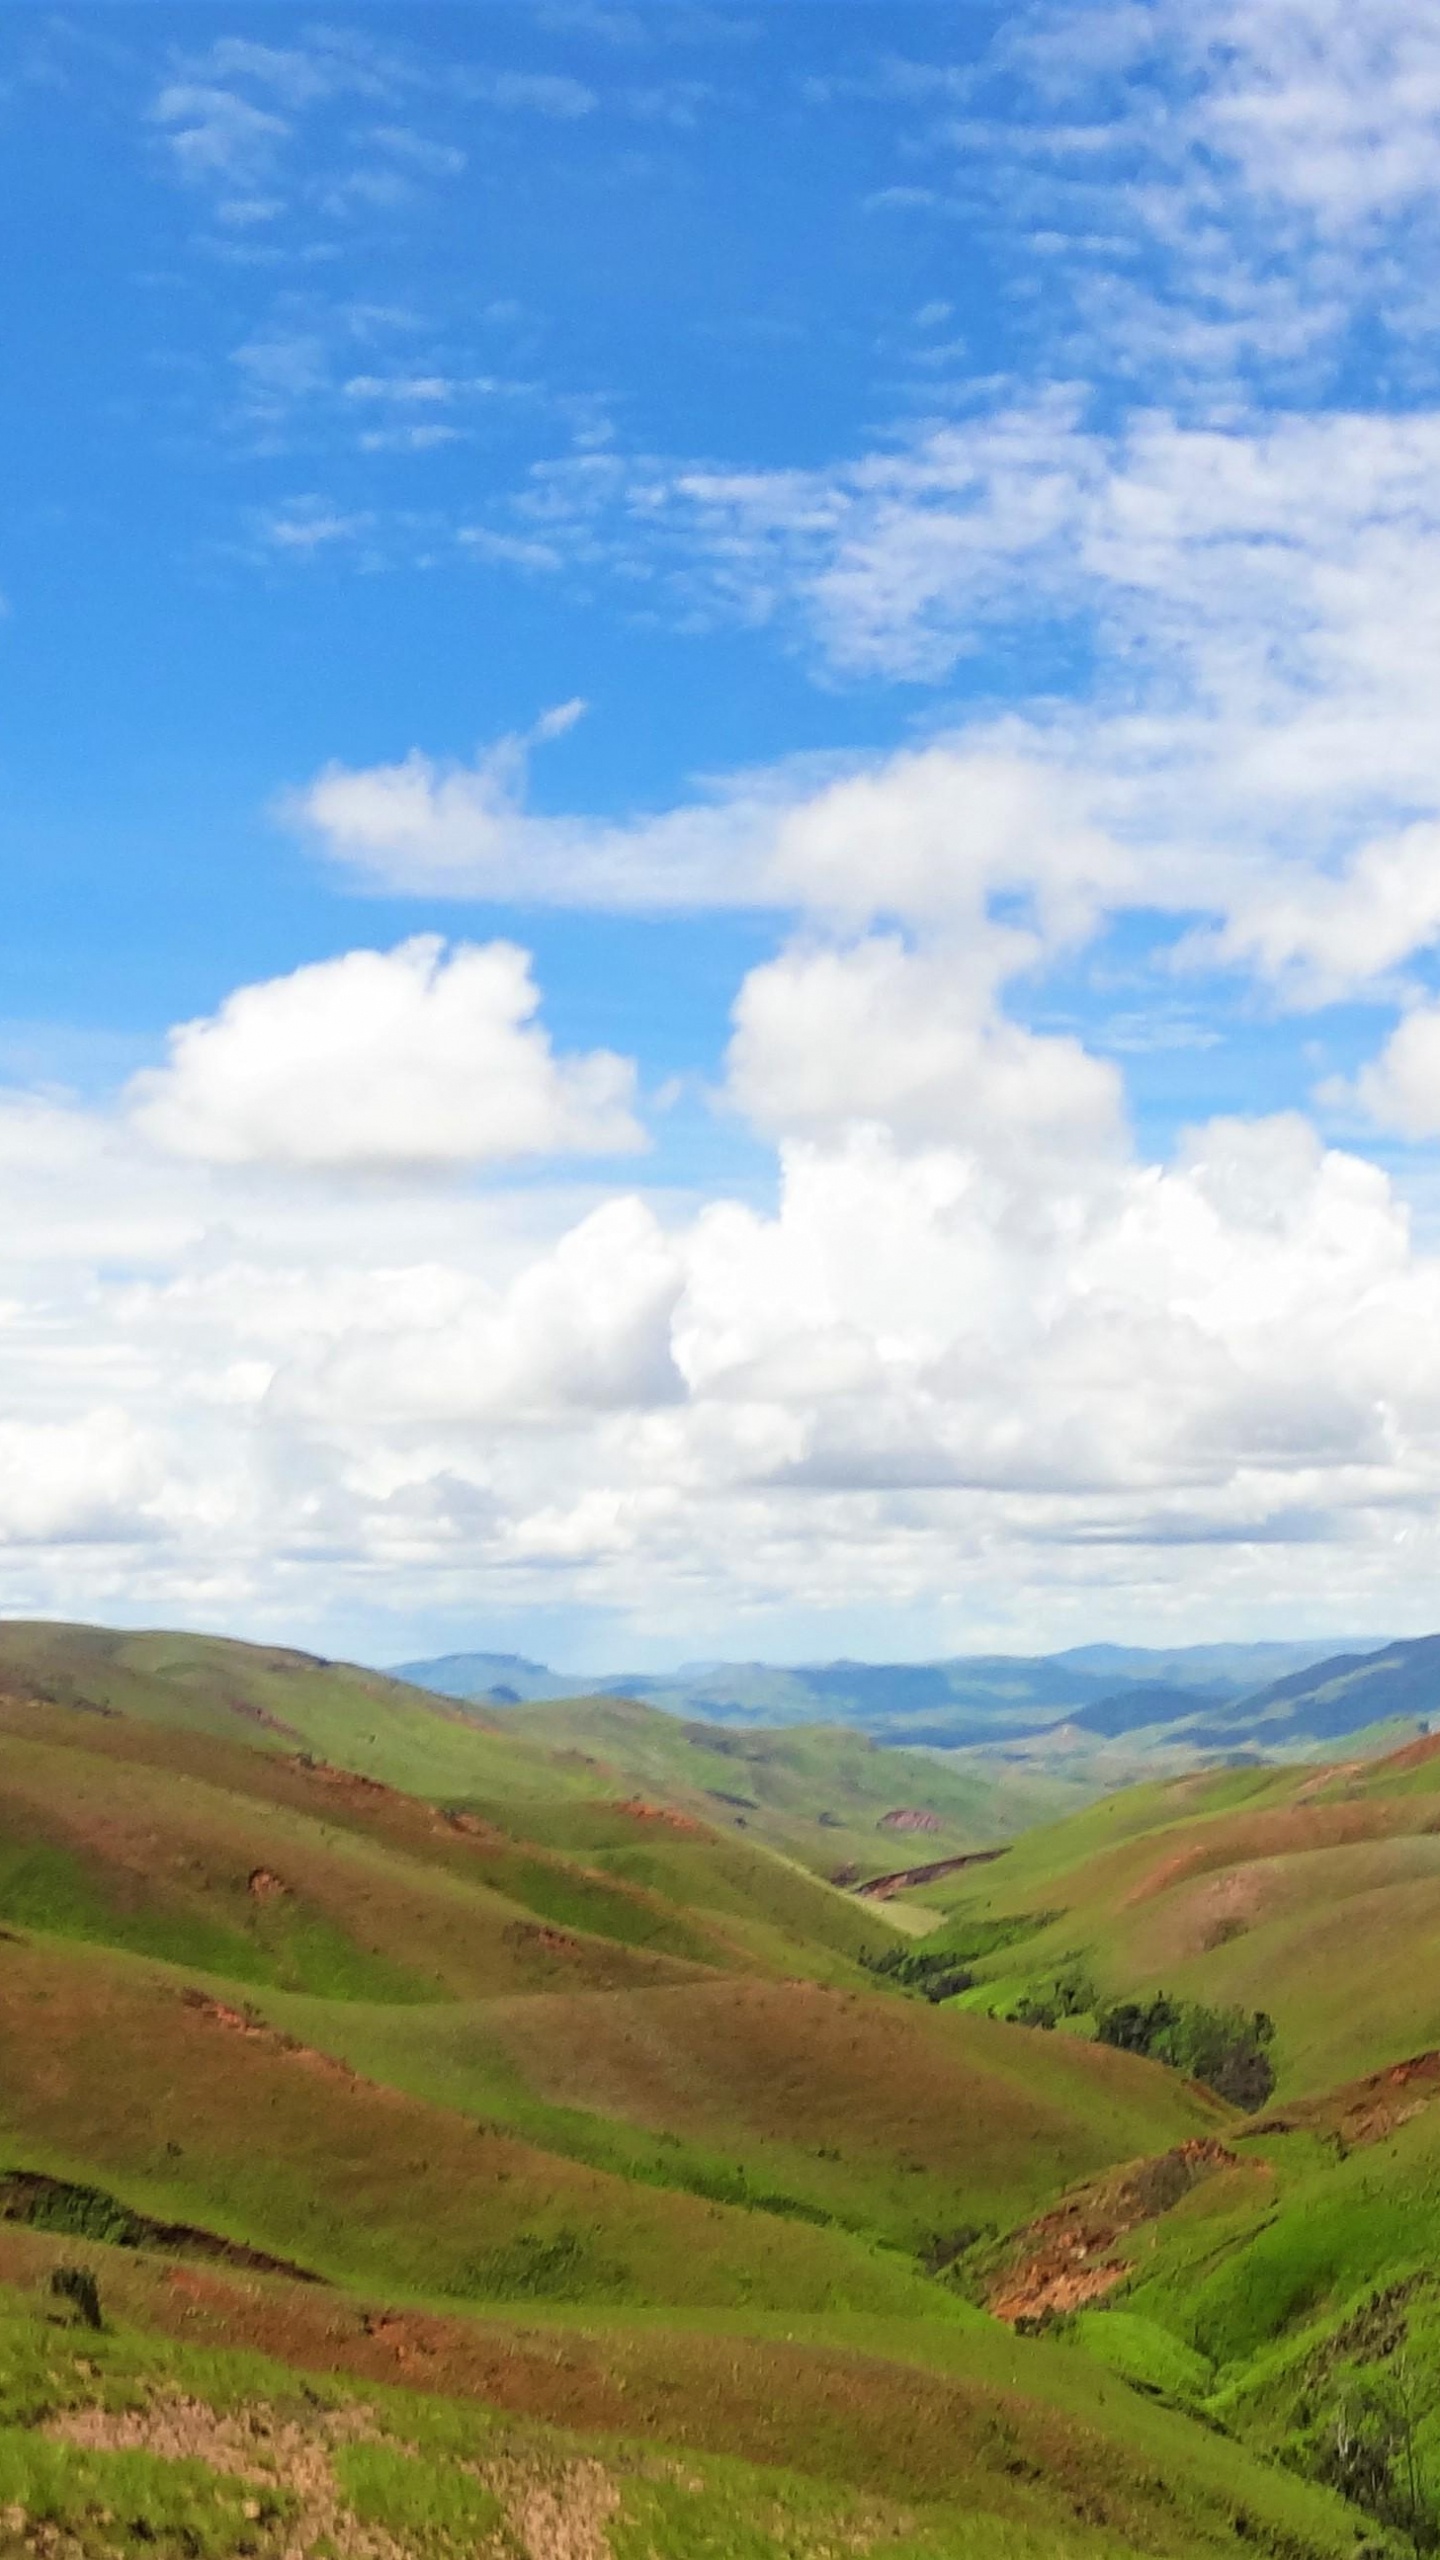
187, 2109
232, 2418
126, 1830
276, 1700
825, 1795
1313, 1894
587, 2113
883, 2116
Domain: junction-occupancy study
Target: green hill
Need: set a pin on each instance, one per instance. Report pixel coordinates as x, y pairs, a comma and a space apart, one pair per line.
824, 1794
476, 2147
1311, 1893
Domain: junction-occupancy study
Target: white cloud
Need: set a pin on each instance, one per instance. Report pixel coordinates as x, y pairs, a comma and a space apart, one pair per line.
1325, 106
1399, 1090
583, 1329
976, 1346
419, 151
1258, 745
214, 134
463, 831
826, 1039
92, 1480
384, 1060
1321, 938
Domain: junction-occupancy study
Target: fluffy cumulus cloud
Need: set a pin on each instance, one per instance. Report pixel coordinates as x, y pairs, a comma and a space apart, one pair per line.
383, 1060
975, 1343
95, 1479
953, 1336
829, 1038
1400, 1089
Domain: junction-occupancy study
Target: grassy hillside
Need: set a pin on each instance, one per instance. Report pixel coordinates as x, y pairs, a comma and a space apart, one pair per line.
589, 2193
1311, 1893
823, 1794
228, 2416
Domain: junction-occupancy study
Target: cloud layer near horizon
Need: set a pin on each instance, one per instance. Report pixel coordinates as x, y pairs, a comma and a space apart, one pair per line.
286, 1327
267, 1326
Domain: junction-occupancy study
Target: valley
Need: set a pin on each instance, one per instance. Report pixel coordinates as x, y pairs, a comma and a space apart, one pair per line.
473, 2130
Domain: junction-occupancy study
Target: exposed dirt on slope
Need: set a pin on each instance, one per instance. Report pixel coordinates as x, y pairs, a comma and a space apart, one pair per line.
1411, 1755
246, 2022
255, 2445
1335, 1773
1282, 1831
1361, 2111
249, 1713
640, 1809
555, 2510
1066, 2258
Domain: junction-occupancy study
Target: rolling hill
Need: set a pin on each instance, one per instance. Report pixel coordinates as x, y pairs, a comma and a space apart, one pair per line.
471, 2146
1079, 1723
836, 1800
971, 1699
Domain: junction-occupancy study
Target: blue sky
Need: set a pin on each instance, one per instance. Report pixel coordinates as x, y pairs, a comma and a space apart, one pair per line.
722, 816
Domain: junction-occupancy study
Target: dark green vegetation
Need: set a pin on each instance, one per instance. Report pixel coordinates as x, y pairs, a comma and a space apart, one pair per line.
1229, 2049
425, 2134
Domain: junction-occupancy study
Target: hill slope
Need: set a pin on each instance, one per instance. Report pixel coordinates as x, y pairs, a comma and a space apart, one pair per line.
1311, 1893
583, 2118
830, 1797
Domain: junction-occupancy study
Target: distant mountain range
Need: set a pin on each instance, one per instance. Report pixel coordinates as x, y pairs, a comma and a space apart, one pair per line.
1222, 1699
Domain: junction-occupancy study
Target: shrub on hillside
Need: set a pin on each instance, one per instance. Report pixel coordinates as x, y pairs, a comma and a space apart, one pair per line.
1071, 1994
935, 1977
1226, 2048
1370, 2451
77, 2286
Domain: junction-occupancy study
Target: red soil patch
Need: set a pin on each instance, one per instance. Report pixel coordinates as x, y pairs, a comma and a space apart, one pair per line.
349, 1781
547, 1941
244, 2022
1284, 1831
251, 1714
908, 1817
1068, 2258
471, 1827
266, 1886
1362, 2111
640, 1809
1413, 1755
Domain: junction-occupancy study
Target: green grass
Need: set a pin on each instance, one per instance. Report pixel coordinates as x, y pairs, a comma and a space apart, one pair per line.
819, 1793
297, 1949
870, 2110
591, 2100
130, 2499
431, 2506
1314, 1898
791, 2448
